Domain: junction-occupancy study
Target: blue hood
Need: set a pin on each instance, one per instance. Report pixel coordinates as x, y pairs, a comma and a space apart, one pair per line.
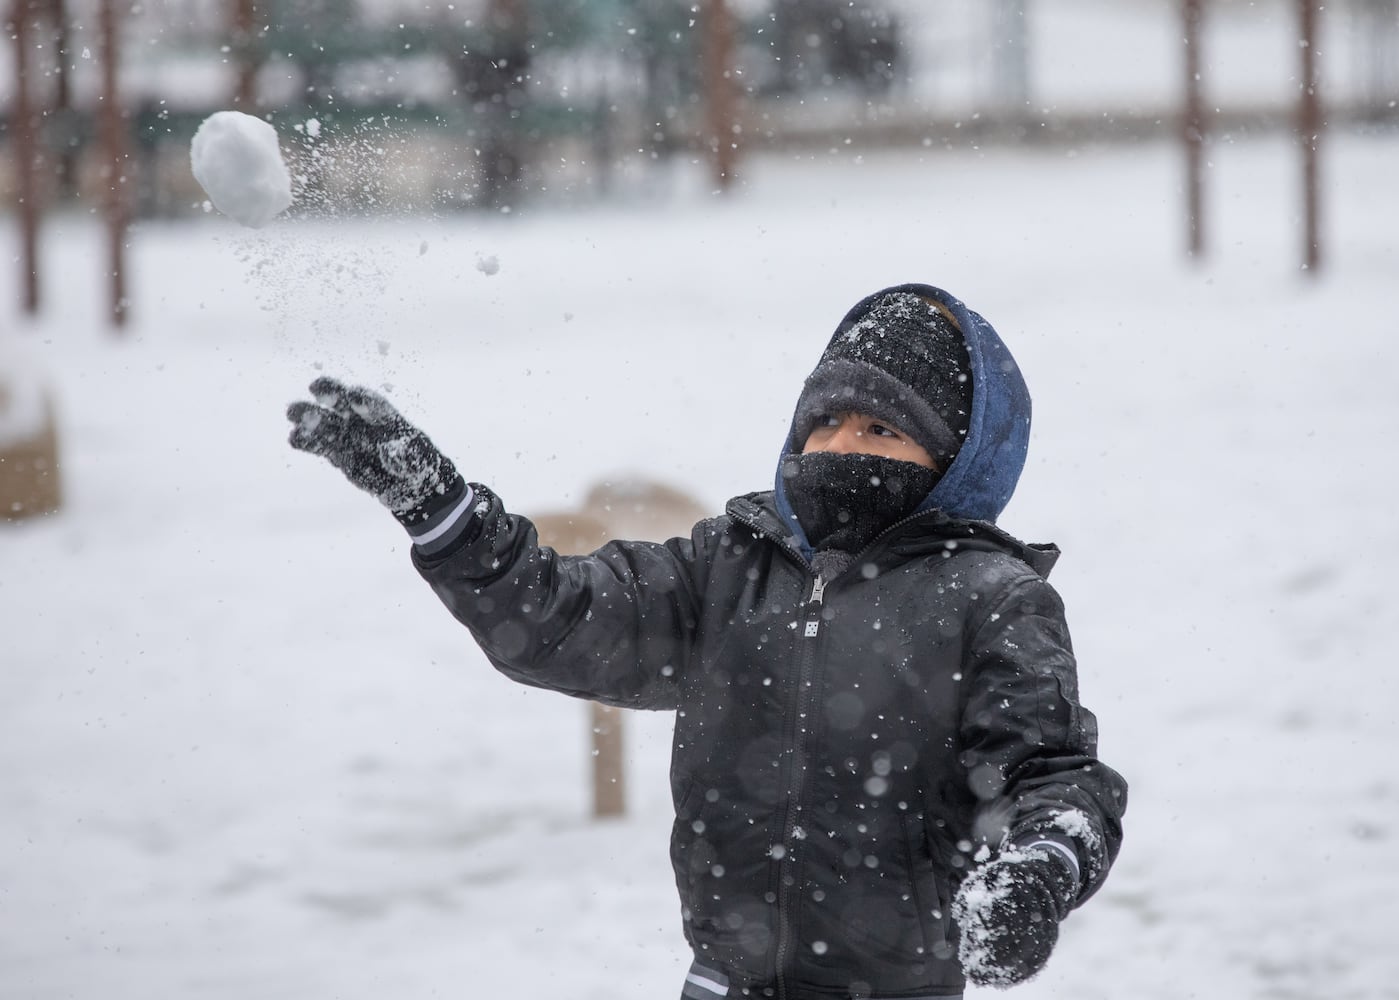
981, 479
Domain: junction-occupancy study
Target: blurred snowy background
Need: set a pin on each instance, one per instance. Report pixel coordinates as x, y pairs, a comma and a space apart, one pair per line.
244, 753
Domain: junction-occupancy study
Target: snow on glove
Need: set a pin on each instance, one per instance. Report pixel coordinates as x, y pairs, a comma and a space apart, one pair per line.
1009, 911
360, 433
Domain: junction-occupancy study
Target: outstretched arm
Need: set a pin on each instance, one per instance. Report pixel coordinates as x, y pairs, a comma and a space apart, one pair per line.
615, 626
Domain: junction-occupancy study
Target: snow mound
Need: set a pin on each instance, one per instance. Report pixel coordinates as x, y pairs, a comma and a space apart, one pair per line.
236, 159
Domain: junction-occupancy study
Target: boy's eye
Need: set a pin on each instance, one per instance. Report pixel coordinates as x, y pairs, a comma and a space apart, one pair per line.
880, 430
829, 420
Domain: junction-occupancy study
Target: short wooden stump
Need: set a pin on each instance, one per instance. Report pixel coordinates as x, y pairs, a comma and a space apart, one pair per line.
29, 480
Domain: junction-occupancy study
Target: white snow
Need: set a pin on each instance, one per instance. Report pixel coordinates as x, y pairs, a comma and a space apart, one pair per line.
24, 385
237, 161
244, 752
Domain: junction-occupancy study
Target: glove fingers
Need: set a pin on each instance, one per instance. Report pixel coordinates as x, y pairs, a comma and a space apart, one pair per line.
359, 432
372, 407
330, 393
315, 429
354, 401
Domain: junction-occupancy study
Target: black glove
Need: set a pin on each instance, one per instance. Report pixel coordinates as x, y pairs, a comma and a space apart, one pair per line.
1009, 911
360, 433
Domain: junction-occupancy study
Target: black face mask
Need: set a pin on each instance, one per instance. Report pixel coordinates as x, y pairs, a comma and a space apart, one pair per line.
844, 501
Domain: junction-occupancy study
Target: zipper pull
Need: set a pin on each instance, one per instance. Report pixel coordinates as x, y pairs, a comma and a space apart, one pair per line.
813, 624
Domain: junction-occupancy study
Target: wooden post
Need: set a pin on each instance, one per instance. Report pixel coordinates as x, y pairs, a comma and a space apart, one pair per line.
112, 141
1309, 126
638, 509
26, 145
29, 475
1193, 130
720, 91
576, 534
609, 771
629, 508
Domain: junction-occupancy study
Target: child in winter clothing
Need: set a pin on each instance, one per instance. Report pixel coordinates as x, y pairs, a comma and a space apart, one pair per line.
884, 781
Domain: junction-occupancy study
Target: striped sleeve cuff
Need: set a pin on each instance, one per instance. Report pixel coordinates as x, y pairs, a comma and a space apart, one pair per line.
437, 533
1055, 848
703, 983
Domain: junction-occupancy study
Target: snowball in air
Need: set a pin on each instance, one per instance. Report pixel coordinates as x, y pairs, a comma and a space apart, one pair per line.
236, 160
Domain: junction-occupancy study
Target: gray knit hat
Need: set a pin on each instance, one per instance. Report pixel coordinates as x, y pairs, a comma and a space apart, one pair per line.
900, 358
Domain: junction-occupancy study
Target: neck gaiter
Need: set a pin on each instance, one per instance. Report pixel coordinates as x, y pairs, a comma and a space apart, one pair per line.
843, 501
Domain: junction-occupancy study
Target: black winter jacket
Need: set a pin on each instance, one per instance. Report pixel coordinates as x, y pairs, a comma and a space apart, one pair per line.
843, 749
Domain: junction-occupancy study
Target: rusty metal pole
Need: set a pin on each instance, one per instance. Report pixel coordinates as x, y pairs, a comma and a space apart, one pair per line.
1193, 130
116, 163
26, 146
245, 61
65, 167
720, 90
1309, 126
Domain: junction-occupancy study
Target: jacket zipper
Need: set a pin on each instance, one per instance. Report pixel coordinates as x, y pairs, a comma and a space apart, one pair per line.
795, 738
787, 867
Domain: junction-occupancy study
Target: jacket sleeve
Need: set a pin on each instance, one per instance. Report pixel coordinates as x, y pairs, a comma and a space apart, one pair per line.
616, 626
1028, 745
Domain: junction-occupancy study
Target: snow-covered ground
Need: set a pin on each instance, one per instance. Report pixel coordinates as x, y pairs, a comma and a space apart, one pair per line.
244, 753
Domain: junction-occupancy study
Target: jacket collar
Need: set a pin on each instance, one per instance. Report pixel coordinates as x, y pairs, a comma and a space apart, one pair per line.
928, 532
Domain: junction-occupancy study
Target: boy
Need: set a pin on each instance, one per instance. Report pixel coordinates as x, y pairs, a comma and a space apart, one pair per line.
884, 782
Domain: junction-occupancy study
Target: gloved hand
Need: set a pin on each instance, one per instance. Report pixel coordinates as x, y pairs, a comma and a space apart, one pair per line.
360, 433
1009, 911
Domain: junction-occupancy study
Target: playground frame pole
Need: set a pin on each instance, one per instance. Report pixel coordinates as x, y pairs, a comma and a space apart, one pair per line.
116, 163
720, 87
1309, 128
26, 152
1193, 130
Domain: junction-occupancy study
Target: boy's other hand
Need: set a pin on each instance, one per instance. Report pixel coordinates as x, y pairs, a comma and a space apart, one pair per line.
1009, 911
360, 433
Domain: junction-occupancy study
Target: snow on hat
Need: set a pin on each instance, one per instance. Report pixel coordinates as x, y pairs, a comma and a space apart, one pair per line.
903, 360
